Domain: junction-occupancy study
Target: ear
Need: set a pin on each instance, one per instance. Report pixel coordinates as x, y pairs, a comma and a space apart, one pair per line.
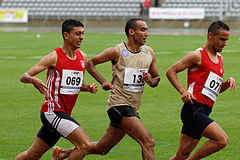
131, 32
65, 35
210, 35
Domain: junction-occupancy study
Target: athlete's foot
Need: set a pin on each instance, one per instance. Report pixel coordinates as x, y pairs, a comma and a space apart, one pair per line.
55, 153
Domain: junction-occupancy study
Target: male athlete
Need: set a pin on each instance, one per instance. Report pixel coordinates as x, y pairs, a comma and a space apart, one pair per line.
65, 70
205, 82
133, 64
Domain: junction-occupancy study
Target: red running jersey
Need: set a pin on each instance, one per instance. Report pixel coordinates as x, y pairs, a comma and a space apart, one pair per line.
205, 83
64, 83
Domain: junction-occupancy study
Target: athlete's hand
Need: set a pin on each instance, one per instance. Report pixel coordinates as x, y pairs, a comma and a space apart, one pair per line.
147, 78
106, 86
41, 87
187, 97
232, 83
92, 88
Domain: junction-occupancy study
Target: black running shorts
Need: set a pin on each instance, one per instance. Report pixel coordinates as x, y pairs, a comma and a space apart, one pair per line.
195, 119
116, 113
55, 125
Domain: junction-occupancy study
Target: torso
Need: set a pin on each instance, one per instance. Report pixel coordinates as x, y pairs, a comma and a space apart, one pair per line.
127, 77
64, 82
205, 82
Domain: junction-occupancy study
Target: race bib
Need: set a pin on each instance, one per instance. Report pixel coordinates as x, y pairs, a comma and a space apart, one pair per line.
133, 79
71, 81
212, 86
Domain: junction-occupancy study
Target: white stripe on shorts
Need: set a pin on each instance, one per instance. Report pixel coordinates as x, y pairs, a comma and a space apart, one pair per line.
63, 126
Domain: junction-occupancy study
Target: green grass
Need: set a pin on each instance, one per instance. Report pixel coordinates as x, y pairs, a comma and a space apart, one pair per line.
20, 103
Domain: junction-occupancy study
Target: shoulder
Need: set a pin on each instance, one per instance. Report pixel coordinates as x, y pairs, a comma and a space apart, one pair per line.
150, 50
193, 58
49, 60
84, 55
220, 56
113, 51
52, 56
196, 55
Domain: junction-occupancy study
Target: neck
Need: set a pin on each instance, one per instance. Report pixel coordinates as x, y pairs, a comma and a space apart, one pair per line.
210, 50
133, 47
69, 51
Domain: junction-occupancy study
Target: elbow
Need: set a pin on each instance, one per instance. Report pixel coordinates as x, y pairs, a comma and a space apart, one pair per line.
168, 72
25, 78
155, 82
89, 64
22, 79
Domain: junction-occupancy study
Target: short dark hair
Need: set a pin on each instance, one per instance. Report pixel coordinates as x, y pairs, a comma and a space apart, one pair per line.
68, 25
216, 26
132, 24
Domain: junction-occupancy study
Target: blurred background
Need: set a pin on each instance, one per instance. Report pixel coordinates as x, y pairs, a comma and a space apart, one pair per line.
101, 14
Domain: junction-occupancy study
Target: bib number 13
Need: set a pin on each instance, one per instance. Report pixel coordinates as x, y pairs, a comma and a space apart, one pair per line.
138, 78
133, 79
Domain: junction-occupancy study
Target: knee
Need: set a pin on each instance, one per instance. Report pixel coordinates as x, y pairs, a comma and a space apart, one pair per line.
28, 156
102, 150
223, 142
181, 155
185, 155
149, 143
84, 148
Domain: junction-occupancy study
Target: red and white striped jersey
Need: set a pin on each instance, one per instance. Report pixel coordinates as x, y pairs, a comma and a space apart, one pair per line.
205, 83
64, 83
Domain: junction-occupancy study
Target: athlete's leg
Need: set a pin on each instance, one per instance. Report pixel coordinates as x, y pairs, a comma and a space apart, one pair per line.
80, 139
35, 151
62, 154
186, 145
136, 129
218, 140
111, 137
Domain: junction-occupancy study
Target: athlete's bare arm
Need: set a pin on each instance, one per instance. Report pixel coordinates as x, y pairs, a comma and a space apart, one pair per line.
230, 83
92, 88
152, 78
48, 61
191, 61
110, 54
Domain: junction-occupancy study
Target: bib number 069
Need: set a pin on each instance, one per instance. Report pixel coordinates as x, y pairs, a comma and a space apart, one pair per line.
73, 80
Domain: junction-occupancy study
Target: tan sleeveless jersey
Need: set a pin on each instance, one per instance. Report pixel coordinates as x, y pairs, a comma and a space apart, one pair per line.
121, 79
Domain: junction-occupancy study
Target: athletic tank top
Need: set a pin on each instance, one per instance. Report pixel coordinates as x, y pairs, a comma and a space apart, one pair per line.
64, 83
127, 77
205, 83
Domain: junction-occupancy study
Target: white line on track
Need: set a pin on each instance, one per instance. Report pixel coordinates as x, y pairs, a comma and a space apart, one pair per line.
8, 57
163, 52
35, 57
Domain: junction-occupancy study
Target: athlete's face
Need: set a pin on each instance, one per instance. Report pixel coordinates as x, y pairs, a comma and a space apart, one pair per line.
219, 41
76, 36
141, 32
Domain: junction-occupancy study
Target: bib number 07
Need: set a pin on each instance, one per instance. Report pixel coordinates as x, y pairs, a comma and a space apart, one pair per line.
212, 86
